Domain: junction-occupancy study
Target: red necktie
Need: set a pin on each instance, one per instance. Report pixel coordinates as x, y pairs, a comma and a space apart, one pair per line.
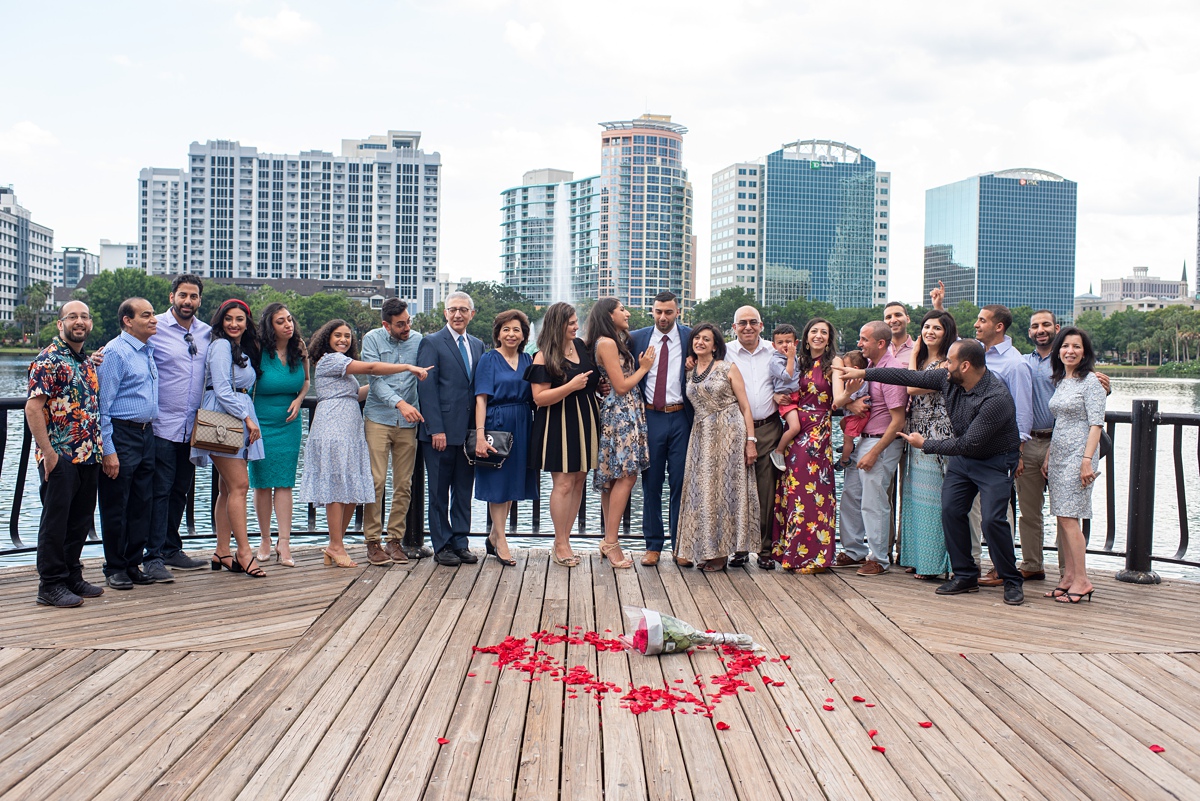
660, 377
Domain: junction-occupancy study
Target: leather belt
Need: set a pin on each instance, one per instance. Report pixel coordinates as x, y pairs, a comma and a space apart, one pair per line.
132, 424
670, 408
235, 389
765, 420
1044, 434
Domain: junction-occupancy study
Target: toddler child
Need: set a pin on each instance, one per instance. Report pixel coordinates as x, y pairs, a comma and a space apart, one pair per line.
785, 381
853, 425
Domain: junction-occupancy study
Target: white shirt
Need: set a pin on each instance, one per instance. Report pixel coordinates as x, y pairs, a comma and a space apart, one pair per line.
674, 366
755, 367
466, 342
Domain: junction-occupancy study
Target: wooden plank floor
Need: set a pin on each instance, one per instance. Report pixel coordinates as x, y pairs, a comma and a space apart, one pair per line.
362, 683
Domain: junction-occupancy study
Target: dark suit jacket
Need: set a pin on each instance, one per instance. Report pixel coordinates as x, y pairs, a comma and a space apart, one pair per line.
641, 340
448, 395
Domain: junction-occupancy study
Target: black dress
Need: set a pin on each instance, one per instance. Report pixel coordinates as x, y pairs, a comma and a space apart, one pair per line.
566, 435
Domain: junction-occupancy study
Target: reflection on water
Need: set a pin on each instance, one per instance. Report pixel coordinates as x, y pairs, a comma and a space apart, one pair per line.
1173, 395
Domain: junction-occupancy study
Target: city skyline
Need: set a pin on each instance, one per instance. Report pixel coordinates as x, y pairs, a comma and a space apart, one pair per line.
1081, 90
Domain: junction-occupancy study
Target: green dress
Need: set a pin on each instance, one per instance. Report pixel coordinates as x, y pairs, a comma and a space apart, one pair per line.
273, 393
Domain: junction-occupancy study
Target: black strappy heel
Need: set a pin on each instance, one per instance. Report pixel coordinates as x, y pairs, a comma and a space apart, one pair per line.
253, 570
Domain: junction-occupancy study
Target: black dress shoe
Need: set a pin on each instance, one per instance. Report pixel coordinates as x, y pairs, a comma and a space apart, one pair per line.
138, 577
957, 587
119, 581
465, 556
1013, 594
447, 557
739, 559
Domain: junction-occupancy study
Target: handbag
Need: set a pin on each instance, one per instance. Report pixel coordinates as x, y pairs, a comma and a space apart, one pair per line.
218, 432
500, 440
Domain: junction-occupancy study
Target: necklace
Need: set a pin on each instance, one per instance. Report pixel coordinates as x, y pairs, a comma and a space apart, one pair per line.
699, 377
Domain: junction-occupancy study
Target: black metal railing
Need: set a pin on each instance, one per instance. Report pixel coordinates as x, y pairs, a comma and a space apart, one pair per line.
1144, 422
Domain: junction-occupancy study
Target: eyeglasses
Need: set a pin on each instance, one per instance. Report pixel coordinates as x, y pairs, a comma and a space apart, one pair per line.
401, 323
458, 310
192, 350
748, 323
70, 318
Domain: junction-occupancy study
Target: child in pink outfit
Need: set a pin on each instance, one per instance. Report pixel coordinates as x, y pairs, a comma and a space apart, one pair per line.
852, 424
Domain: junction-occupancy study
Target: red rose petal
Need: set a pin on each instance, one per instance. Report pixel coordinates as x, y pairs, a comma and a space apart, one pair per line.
869, 706
827, 707
1158, 749
925, 724
859, 699
878, 748
722, 726
784, 657
442, 741
829, 700
471, 675
872, 732
831, 681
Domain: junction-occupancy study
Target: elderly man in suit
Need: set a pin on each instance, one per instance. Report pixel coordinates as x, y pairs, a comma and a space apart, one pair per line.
447, 403
668, 419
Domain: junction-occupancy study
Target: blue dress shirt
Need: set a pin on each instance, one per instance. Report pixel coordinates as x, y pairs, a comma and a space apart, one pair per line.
387, 390
1043, 391
1010, 367
180, 376
128, 385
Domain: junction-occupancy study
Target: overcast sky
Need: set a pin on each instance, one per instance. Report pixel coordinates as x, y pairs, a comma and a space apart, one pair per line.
1103, 93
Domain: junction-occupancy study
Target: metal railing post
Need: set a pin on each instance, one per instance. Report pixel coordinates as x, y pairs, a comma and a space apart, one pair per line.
1139, 530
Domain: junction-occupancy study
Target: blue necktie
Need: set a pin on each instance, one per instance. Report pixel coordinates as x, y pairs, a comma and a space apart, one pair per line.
462, 348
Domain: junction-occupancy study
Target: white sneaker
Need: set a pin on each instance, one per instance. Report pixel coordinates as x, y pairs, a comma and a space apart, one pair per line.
777, 460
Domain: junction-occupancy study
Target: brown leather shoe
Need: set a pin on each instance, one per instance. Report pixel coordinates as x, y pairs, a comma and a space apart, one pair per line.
376, 555
679, 560
844, 559
650, 558
1033, 575
992, 579
871, 568
395, 551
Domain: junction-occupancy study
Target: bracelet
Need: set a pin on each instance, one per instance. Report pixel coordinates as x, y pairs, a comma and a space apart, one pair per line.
752, 439
1089, 458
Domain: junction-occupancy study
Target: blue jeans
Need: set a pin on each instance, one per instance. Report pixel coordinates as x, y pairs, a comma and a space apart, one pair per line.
173, 476
667, 437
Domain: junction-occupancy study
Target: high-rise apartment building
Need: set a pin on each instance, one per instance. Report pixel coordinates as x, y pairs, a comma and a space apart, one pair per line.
372, 212
118, 256
1004, 237
162, 212
646, 240
549, 243
76, 263
807, 221
26, 252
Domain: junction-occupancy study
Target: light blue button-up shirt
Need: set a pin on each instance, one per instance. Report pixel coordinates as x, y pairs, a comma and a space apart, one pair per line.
128, 385
1043, 390
386, 390
1006, 362
180, 375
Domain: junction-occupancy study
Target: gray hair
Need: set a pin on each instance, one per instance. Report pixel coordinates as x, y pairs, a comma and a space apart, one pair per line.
462, 295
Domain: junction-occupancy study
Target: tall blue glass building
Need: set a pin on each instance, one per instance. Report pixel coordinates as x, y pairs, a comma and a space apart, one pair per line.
1006, 237
818, 211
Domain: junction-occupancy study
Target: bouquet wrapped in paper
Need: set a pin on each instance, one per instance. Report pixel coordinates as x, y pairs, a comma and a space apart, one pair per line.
656, 633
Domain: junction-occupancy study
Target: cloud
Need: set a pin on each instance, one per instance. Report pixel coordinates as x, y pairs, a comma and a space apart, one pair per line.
524, 38
264, 34
24, 137
121, 60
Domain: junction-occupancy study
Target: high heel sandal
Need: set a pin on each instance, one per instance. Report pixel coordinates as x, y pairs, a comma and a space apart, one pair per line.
218, 562
261, 557
339, 559
253, 570
287, 561
1056, 592
715, 565
607, 547
1075, 597
570, 561
487, 544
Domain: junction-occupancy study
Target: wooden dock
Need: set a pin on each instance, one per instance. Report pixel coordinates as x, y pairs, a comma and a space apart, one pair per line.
327, 683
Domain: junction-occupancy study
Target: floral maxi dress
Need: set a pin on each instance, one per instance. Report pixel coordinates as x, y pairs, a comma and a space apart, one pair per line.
805, 499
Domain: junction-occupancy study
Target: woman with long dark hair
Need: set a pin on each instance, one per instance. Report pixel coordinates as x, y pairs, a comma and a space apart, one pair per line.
922, 544
719, 505
1074, 455
805, 514
624, 451
281, 387
229, 377
337, 464
566, 424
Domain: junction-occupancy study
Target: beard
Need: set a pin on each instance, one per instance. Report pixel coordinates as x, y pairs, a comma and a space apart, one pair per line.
184, 312
75, 335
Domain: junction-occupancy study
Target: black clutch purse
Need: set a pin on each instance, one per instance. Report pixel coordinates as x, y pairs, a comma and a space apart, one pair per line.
500, 440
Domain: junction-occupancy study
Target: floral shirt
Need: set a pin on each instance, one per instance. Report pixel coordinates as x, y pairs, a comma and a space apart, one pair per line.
72, 412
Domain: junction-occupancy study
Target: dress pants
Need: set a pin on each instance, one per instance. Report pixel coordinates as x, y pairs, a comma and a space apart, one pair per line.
766, 477
68, 511
1031, 498
991, 480
451, 478
667, 439
173, 477
865, 517
975, 519
401, 445
127, 501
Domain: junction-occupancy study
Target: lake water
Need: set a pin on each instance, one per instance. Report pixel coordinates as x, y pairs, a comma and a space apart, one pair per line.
1173, 395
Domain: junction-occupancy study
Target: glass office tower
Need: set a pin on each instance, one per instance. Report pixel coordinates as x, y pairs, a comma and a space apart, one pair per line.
1006, 237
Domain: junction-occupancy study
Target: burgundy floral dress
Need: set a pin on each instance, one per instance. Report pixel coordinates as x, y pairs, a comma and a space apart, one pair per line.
805, 500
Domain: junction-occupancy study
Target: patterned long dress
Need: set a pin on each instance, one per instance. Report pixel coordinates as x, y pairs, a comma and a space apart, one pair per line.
720, 495
805, 499
624, 449
922, 544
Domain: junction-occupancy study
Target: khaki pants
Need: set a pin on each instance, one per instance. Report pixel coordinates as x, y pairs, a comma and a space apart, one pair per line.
401, 445
1031, 499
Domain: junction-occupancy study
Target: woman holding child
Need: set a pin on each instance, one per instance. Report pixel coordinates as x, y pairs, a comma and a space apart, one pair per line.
805, 503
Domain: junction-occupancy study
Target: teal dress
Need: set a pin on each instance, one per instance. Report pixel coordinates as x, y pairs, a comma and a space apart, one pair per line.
275, 391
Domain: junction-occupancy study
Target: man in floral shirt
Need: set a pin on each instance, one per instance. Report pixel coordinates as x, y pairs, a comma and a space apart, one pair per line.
63, 411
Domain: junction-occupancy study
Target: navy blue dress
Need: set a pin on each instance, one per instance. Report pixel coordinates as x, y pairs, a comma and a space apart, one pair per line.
509, 408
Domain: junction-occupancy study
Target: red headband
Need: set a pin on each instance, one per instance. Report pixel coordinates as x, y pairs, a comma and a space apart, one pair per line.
241, 303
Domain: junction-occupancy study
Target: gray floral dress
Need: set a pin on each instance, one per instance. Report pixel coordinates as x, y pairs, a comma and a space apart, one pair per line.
624, 449
1077, 405
337, 465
